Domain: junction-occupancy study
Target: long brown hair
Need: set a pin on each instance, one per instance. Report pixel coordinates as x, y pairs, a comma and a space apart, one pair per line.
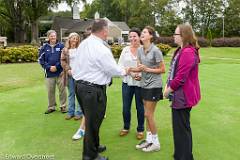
152, 32
188, 35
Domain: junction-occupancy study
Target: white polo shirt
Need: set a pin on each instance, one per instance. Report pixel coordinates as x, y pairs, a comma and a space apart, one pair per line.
95, 62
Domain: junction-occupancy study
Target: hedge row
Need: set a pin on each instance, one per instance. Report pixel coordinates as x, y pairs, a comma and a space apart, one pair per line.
203, 42
26, 53
117, 49
226, 42
166, 40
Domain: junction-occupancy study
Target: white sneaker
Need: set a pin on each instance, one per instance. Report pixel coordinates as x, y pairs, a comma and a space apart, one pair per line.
142, 144
151, 148
79, 134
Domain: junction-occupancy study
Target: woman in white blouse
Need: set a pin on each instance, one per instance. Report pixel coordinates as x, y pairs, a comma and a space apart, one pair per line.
68, 58
131, 85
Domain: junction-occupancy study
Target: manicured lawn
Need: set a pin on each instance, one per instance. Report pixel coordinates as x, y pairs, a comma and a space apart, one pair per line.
24, 129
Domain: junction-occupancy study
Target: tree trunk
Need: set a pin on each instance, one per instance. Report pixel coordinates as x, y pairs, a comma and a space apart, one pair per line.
34, 32
19, 34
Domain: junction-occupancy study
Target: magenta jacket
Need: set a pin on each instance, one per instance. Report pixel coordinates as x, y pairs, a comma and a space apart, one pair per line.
185, 82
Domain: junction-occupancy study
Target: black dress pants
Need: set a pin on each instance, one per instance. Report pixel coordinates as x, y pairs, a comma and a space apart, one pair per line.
92, 99
182, 134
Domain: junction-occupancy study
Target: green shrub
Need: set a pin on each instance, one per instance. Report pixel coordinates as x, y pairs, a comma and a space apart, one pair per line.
116, 50
165, 48
166, 40
26, 53
203, 42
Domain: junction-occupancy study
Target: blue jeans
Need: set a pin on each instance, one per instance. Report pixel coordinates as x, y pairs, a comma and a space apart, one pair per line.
72, 104
127, 96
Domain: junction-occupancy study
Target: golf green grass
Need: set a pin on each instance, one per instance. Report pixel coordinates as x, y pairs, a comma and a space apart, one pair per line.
26, 131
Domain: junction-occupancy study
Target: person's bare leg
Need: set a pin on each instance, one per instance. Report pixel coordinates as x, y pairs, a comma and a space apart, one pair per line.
82, 125
81, 131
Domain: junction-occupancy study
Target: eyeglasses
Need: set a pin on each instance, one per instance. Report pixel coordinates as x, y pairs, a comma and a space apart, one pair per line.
175, 34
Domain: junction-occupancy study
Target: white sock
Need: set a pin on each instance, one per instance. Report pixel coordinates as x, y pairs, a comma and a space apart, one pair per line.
81, 129
155, 139
149, 137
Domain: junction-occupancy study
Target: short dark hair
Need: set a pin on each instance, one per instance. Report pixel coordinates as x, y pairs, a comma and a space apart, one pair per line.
88, 29
87, 32
136, 30
98, 25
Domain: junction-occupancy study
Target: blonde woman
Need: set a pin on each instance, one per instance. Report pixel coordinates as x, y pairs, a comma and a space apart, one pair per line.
81, 131
68, 57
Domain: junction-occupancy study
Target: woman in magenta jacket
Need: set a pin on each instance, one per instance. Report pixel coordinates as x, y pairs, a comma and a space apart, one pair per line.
183, 89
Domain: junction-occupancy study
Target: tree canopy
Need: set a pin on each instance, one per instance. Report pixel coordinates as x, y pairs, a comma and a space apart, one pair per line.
18, 18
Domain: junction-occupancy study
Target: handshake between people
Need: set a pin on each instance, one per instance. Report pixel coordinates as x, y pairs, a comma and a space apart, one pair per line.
135, 72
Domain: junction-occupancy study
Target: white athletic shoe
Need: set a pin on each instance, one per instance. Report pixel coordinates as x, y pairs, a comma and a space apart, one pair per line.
151, 148
142, 144
79, 134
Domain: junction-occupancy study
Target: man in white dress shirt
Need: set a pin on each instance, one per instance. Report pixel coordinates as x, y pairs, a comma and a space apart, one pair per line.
92, 71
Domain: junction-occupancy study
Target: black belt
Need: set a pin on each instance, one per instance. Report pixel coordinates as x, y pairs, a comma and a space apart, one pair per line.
90, 84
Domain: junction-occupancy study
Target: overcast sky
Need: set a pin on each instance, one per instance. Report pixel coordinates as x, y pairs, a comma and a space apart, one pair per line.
64, 7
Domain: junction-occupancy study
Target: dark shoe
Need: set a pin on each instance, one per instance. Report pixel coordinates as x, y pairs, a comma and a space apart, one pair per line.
63, 110
97, 158
49, 111
76, 118
68, 117
101, 148
101, 158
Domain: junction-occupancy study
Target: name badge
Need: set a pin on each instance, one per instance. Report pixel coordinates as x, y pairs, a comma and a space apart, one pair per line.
57, 49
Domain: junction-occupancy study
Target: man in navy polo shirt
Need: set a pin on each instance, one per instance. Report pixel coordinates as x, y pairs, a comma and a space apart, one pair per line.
49, 58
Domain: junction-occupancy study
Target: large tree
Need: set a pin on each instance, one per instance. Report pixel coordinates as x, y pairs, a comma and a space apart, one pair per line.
20, 13
138, 13
106, 8
208, 12
4, 23
232, 19
200, 14
143, 15
12, 12
168, 22
34, 9
126, 8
